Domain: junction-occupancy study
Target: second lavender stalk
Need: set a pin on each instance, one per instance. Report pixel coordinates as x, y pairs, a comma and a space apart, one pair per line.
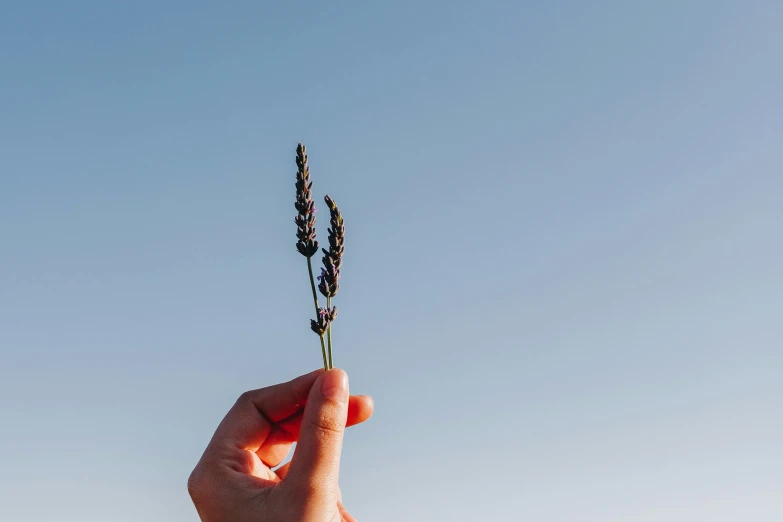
329, 279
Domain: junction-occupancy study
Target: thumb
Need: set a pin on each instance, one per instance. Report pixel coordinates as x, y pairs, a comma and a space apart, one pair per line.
316, 463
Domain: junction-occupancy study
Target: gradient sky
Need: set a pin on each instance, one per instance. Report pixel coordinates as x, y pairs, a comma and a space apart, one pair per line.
562, 284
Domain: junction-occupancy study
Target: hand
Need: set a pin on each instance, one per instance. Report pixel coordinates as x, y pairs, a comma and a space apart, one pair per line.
234, 481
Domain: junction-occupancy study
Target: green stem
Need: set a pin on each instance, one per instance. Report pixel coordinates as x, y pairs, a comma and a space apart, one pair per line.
329, 333
315, 302
323, 352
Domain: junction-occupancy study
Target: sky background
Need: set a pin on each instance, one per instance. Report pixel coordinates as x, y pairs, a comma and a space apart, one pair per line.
562, 282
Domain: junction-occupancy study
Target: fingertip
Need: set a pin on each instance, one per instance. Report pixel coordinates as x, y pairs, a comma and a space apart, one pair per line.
334, 385
367, 404
360, 408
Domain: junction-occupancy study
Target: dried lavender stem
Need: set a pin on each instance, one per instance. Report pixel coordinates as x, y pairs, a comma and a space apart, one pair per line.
315, 302
329, 334
323, 352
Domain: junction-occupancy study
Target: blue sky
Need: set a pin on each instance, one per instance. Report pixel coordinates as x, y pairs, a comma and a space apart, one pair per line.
562, 282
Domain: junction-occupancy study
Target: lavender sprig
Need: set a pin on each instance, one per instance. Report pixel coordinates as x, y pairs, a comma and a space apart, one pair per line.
305, 220
329, 280
325, 318
329, 283
336, 232
305, 228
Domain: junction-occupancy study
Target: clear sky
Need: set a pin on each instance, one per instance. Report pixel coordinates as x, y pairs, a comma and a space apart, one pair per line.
562, 282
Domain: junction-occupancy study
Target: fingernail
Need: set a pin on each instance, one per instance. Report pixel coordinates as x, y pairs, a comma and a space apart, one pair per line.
335, 385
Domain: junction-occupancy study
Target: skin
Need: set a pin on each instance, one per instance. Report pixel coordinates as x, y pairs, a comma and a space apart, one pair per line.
234, 481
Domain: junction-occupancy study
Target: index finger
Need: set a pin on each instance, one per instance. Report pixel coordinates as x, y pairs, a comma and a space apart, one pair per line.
248, 423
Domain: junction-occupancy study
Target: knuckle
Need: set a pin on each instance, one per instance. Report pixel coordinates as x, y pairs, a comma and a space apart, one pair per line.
245, 398
328, 423
239, 459
194, 485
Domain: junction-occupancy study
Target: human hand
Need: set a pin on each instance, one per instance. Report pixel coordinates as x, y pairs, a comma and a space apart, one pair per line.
234, 481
